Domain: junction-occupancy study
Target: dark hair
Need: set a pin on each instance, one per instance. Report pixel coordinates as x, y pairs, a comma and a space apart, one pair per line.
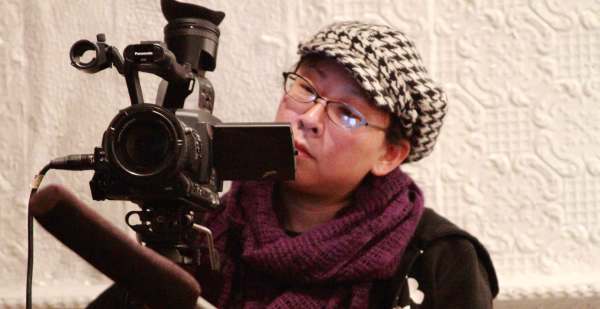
395, 131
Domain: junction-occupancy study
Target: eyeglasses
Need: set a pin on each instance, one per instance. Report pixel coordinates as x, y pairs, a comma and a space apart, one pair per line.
342, 114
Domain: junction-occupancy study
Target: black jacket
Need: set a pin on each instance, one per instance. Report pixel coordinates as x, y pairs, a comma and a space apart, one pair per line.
443, 267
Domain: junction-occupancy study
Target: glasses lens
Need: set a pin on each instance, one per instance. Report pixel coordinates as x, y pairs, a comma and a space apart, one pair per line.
299, 89
345, 115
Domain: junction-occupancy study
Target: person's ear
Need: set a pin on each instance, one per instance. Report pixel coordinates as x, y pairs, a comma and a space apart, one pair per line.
393, 155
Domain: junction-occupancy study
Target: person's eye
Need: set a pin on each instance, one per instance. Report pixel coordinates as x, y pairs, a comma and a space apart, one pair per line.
306, 88
347, 116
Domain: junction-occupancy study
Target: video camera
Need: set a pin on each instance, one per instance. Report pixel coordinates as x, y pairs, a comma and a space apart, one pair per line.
169, 160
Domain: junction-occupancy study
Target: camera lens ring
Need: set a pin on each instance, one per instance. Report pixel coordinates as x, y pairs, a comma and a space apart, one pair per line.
144, 142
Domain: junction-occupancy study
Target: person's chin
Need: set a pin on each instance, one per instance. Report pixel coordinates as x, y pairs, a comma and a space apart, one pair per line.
299, 184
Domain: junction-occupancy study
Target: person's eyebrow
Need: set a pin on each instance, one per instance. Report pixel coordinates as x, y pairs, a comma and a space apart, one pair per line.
353, 90
321, 72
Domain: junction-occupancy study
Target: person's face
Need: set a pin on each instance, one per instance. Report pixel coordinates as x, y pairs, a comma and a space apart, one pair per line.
332, 160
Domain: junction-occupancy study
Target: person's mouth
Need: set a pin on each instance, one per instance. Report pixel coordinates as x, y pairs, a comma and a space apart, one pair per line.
302, 150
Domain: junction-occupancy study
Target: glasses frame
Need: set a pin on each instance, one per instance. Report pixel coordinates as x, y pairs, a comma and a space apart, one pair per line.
363, 120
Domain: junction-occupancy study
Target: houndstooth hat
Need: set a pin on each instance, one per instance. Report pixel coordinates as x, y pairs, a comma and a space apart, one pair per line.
388, 67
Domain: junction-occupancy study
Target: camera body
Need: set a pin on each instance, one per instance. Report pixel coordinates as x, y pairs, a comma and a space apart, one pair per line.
149, 153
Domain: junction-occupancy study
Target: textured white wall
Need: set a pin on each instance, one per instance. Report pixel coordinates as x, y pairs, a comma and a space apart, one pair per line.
518, 162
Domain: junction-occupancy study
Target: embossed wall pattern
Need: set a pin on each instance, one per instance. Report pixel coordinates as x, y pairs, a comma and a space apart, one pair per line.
517, 163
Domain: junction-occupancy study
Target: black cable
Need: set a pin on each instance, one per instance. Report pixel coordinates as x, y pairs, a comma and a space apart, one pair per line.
72, 162
34, 187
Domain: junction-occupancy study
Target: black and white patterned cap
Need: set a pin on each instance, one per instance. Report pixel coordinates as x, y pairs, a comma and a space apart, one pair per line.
388, 67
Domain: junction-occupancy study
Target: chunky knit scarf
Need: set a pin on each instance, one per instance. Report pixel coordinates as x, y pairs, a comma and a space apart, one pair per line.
331, 266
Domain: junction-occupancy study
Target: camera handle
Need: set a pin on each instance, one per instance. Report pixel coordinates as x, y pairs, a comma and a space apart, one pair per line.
147, 56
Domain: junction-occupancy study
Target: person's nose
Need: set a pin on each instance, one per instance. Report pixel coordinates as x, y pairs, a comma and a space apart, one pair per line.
312, 120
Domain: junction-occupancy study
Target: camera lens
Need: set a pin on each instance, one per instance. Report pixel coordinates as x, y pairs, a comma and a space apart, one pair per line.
145, 145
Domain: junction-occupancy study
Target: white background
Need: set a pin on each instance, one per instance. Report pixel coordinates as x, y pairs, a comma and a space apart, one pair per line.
517, 164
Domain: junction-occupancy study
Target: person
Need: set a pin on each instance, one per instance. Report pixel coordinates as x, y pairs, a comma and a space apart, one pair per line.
351, 230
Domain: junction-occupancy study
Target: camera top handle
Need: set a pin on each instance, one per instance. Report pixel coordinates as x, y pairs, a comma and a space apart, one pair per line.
191, 38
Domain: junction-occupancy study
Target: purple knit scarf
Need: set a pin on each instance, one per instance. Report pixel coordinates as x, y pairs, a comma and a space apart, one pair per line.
331, 266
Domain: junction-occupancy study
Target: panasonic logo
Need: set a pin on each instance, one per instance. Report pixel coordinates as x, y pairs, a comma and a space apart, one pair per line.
143, 53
